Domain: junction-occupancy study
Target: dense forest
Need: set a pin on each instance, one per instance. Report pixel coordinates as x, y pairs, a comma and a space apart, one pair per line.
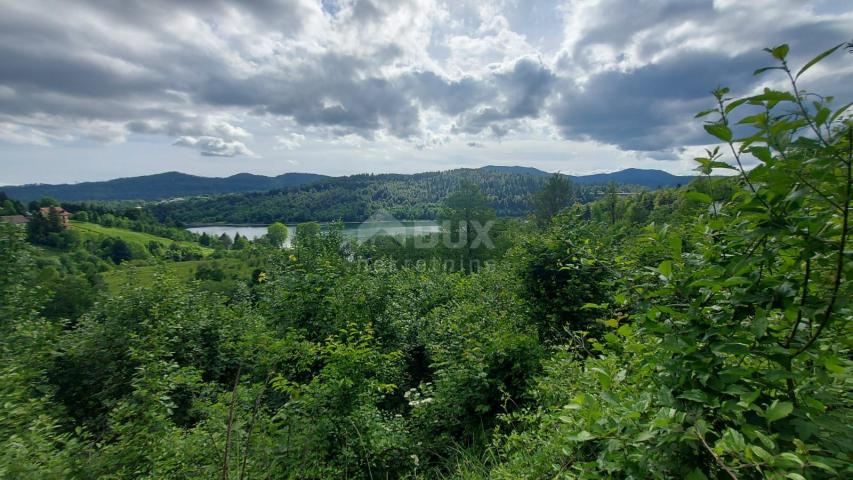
699, 332
355, 198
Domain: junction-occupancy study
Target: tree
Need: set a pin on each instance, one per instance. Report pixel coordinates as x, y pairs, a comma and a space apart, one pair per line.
240, 242
306, 233
82, 216
45, 229
277, 234
225, 241
611, 201
9, 206
116, 249
467, 213
556, 194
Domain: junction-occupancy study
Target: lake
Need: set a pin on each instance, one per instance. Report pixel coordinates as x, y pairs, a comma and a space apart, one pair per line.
358, 230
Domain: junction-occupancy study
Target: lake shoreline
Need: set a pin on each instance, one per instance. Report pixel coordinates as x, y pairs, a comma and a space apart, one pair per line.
359, 230
293, 224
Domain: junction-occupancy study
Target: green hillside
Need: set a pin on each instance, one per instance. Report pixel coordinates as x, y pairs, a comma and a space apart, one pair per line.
99, 232
131, 275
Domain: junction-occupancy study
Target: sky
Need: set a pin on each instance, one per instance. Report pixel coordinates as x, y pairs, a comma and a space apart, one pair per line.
99, 89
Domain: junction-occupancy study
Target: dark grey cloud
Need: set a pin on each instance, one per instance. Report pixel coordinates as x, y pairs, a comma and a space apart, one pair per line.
60, 71
618, 21
283, 16
526, 87
652, 107
449, 96
522, 90
328, 92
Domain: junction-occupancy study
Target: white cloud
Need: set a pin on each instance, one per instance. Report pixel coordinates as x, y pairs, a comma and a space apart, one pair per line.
214, 146
290, 141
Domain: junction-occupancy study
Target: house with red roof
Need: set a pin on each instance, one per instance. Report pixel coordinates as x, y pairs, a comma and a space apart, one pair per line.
60, 212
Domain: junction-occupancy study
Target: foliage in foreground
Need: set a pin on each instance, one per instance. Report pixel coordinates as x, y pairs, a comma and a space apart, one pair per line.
603, 344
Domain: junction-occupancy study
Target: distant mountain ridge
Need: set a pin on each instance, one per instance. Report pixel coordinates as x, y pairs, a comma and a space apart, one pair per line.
636, 176
648, 178
170, 185
160, 186
514, 169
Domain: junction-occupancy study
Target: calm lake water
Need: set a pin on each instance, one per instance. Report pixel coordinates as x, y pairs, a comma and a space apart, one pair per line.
360, 231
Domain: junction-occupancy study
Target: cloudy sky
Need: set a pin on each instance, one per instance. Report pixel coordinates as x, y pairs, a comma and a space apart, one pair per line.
99, 89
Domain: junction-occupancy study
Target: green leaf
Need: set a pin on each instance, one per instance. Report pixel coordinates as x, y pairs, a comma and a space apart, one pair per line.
759, 326
665, 268
722, 165
773, 96
791, 458
720, 131
761, 153
780, 52
696, 474
762, 70
705, 113
761, 453
698, 197
818, 58
831, 364
582, 436
675, 247
733, 105
758, 118
736, 280
822, 466
821, 116
602, 377
778, 410
839, 112
695, 395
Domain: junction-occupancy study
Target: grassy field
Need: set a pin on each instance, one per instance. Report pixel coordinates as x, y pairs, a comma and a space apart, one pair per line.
95, 231
132, 273
129, 274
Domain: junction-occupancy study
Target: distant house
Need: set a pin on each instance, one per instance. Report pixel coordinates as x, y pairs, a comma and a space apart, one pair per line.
63, 215
14, 219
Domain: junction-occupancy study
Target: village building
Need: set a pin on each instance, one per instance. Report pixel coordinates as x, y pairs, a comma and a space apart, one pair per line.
61, 213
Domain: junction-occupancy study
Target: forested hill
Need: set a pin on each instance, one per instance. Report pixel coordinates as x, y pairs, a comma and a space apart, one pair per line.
174, 184
353, 198
630, 176
159, 186
635, 176
357, 197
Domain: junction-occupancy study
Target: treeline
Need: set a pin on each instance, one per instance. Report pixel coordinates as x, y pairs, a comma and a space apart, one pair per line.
9, 206
355, 198
132, 218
